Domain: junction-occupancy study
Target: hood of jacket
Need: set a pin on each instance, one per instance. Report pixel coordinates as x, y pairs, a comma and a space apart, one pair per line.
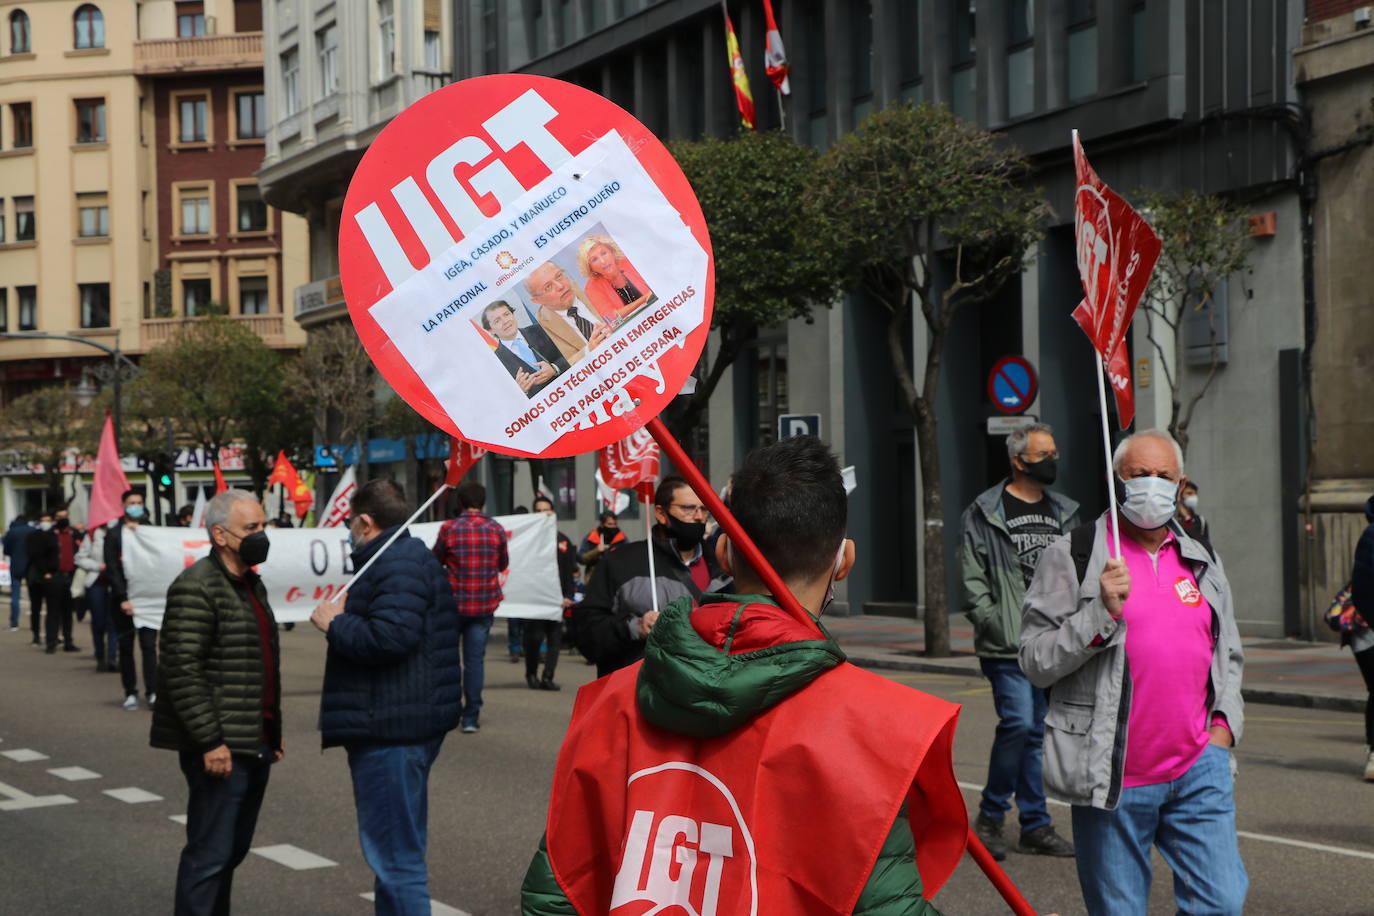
709, 669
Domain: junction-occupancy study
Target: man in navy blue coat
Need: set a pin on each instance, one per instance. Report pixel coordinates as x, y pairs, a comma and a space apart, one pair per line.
391, 690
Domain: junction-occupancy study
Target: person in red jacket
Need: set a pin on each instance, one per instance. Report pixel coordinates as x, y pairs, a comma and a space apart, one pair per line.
700, 779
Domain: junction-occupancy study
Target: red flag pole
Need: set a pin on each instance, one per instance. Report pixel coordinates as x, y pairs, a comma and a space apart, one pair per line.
1009, 891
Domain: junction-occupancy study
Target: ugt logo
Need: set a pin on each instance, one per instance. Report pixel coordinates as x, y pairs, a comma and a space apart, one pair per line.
685, 863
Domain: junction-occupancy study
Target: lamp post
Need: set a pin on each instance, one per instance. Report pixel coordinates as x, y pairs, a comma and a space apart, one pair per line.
115, 375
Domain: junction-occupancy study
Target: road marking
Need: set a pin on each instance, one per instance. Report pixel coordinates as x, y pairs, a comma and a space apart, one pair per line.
23, 755
1353, 721
132, 795
178, 818
74, 774
435, 907
293, 857
18, 800
1249, 835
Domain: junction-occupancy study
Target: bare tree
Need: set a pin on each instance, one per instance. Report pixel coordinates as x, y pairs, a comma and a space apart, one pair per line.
334, 374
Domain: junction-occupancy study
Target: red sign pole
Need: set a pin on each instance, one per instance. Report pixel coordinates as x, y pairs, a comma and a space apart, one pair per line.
746, 546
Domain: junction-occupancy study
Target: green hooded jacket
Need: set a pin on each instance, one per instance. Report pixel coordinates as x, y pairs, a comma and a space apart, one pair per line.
689, 686
990, 571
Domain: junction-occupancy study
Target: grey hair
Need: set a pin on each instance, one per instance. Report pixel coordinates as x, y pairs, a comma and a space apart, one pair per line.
218, 508
1119, 456
1020, 437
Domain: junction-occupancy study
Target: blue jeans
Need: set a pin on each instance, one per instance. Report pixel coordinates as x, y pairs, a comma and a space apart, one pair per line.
102, 628
221, 815
1193, 822
1017, 749
391, 793
473, 630
515, 635
16, 586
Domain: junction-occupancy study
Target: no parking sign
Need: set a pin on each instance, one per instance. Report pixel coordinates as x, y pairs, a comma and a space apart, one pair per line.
1012, 385
526, 265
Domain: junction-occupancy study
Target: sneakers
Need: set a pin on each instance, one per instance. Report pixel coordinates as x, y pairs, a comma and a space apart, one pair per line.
470, 728
1043, 841
1369, 766
990, 832
548, 684
131, 702
152, 700
71, 647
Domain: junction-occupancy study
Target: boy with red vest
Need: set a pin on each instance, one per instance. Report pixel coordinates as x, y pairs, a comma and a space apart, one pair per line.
744, 767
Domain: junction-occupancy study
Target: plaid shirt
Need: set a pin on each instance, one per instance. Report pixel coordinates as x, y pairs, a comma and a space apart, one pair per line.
472, 550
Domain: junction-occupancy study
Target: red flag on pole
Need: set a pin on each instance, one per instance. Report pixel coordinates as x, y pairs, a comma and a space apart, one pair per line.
774, 56
107, 491
1116, 251
631, 464
743, 97
461, 456
220, 485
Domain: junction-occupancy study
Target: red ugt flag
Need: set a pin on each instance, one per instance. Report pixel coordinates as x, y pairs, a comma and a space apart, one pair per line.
107, 491
1117, 251
631, 464
774, 56
461, 456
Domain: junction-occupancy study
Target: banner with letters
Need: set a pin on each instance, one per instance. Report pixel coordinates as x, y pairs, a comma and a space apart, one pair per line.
308, 565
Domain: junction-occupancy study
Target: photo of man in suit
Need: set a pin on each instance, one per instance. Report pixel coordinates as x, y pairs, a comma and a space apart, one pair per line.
528, 354
572, 324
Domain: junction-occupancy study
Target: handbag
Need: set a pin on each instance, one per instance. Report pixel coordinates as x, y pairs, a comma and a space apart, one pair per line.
1342, 616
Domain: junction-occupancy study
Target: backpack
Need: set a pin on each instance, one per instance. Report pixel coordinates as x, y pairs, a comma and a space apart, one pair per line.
1342, 616
1081, 541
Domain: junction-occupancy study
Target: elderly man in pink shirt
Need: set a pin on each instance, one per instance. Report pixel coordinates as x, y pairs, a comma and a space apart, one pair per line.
1142, 660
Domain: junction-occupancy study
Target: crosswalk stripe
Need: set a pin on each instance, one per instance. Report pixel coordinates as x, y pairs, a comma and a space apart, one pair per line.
23, 755
132, 795
435, 907
74, 774
293, 857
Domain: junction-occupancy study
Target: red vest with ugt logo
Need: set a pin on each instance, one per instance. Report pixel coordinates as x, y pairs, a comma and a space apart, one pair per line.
784, 815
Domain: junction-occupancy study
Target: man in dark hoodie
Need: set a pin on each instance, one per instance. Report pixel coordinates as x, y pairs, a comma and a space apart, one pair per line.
391, 690
702, 777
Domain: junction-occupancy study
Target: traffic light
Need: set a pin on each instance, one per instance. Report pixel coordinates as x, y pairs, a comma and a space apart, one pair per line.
164, 484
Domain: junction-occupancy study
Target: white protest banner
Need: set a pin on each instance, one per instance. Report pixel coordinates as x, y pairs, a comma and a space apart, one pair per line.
307, 565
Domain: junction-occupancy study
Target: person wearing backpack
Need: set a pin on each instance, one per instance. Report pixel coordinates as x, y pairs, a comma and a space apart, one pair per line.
1361, 640
1142, 660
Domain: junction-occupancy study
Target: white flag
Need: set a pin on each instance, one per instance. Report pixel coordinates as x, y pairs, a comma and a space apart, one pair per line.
336, 510
198, 513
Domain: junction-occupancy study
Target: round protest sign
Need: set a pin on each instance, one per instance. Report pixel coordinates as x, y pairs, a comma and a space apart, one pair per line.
526, 265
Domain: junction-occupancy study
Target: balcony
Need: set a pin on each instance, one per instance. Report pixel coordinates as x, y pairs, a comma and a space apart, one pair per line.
202, 54
161, 330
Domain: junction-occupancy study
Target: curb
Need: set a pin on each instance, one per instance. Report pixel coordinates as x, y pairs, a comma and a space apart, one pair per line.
1266, 695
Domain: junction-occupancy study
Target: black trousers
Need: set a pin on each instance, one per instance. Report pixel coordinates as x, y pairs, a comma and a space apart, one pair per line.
36, 587
221, 815
147, 642
536, 631
57, 591
1365, 660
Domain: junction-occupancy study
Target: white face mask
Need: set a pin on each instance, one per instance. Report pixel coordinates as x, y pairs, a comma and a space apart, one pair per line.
1148, 502
1190, 502
45, 526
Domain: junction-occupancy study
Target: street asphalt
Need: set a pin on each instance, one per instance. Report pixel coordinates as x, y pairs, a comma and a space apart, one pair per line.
1307, 820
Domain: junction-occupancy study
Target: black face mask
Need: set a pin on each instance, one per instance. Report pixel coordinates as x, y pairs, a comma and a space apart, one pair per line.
253, 549
608, 534
1043, 471
687, 535
61, 523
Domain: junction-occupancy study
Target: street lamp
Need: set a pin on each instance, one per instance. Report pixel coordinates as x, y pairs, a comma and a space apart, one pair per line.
85, 392
115, 375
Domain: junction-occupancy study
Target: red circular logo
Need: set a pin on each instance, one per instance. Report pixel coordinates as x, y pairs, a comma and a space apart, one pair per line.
526, 265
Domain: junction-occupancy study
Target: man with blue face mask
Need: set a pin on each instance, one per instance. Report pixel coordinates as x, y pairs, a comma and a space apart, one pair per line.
122, 612
1143, 661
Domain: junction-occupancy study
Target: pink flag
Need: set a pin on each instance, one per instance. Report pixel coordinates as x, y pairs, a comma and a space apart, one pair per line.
110, 482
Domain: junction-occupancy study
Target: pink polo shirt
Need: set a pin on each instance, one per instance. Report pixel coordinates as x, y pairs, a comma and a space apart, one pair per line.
1169, 647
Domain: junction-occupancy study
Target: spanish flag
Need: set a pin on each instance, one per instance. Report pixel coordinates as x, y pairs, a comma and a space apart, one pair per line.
486, 336
743, 98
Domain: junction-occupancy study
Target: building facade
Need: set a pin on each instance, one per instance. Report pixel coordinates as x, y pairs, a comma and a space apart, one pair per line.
1168, 95
129, 138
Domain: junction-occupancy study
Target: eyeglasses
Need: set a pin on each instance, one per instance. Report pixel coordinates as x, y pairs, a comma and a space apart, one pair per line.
1039, 456
693, 510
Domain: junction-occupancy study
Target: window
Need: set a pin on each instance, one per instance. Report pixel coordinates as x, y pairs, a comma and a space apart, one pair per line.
195, 296
95, 304
252, 116
190, 20
327, 40
564, 22
191, 113
433, 24
21, 124
19, 33
28, 307
909, 26
491, 48
90, 120
290, 82
93, 215
861, 51
1082, 49
1138, 42
4, 309
1020, 57
386, 39
195, 211
434, 50
89, 27
253, 296
24, 227
2, 222
963, 77
252, 212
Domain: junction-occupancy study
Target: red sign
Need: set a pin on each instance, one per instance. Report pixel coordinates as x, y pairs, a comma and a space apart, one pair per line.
1012, 385
631, 464
1117, 251
535, 215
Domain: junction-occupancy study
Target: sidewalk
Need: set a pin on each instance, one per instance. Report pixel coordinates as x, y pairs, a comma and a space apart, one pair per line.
1285, 672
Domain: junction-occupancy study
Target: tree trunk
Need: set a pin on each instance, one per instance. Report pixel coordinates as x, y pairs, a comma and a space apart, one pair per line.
933, 503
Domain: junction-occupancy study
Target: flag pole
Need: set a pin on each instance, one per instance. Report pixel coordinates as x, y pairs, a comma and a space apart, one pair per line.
649, 537
1100, 368
395, 534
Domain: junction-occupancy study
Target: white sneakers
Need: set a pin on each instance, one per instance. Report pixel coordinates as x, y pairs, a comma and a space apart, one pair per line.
152, 700
131, 702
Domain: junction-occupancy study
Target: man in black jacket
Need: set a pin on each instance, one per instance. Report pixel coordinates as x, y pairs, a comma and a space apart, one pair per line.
41, 547
527, 353
391, 690
122, 612
618, 613
219, 701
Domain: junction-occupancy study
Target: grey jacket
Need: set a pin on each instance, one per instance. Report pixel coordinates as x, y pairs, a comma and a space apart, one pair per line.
990, 571
1089, 684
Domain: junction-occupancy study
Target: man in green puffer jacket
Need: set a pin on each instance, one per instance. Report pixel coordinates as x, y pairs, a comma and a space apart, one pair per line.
218, 699
745, 736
